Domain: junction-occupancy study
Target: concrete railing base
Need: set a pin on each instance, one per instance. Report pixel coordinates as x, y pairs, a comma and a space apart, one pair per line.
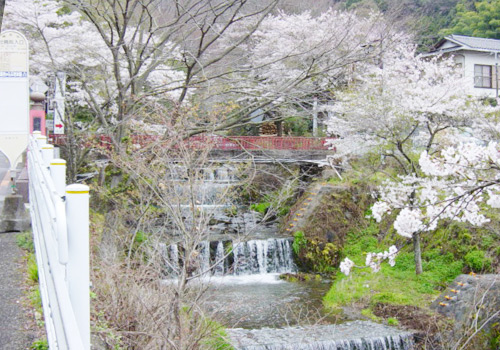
14, 216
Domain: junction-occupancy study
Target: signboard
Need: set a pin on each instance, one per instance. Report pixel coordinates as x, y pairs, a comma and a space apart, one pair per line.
49, 124
59, 92
14, 95
13, 55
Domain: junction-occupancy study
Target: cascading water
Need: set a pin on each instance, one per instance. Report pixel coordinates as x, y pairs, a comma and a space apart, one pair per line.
251, 294
218, 258
209, 184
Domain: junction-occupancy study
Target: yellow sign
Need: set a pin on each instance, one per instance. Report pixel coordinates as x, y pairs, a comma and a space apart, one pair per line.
13, 55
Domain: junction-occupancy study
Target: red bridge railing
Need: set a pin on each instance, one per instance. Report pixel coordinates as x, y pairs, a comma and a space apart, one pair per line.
228, 143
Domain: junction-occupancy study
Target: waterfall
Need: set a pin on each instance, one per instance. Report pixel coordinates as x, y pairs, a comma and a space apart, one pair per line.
219, 259
273, 255
357, 335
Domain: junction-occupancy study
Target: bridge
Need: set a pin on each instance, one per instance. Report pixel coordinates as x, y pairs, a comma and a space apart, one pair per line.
285, 149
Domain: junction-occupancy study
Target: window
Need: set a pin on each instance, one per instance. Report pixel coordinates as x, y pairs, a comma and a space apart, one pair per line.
482, 76
37, 124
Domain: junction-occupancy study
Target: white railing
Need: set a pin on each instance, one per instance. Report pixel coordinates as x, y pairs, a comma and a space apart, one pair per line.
60, 222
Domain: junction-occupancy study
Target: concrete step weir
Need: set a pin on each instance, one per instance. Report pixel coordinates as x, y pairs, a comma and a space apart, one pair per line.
356, 335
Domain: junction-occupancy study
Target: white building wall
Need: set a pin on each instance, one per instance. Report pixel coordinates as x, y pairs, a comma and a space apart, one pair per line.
470, 58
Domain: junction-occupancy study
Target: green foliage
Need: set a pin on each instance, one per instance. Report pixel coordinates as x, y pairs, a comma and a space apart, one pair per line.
313, 255
40, 345
390, 298
139, 239
231, 211
494, 336
358, 243
25, 241
63, 10
297, 126
397, 285
277, 202
391, 321
369, 313
477, 261
260, 207
218, 338
299, 242
32, 268
36, 299
482, 20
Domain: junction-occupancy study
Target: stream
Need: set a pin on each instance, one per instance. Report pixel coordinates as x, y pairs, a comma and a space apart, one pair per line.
246, 295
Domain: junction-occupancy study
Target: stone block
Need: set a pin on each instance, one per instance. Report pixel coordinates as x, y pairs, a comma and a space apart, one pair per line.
14, 216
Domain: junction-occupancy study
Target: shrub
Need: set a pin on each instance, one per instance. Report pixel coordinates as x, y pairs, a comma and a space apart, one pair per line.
313, 255
299, 242
477, 261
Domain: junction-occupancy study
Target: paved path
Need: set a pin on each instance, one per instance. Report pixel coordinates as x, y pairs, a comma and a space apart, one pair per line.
13, 319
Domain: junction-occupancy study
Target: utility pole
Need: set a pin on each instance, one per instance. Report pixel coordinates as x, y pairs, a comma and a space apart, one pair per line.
315, 117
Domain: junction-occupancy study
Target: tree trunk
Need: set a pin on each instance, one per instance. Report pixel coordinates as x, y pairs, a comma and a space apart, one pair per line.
417, 253
2, 6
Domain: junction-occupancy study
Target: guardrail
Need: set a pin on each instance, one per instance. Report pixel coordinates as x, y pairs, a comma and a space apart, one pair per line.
60, 223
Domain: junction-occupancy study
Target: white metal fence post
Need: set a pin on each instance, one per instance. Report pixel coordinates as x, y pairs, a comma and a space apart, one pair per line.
47, 154
77, 212
58, 173
41, 140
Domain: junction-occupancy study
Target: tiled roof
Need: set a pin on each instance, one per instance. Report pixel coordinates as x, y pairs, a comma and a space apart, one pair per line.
475, 43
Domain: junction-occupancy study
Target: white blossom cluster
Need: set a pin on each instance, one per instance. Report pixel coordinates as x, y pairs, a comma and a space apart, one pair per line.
346, 265
456, 185
291, 56
402, 98
63, 40
373, 260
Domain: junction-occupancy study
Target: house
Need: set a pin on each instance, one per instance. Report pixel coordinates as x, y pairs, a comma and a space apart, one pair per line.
478, 57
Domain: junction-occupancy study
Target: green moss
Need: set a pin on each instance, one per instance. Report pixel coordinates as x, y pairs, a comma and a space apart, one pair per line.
300, 277
487, 241
369, 313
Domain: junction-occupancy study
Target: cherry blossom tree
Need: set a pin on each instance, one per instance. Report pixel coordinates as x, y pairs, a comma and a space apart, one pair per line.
128, 59
124, 57
293, 59
400, 108
458, 183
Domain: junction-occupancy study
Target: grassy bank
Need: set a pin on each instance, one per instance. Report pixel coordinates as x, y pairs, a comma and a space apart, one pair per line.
393, 285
